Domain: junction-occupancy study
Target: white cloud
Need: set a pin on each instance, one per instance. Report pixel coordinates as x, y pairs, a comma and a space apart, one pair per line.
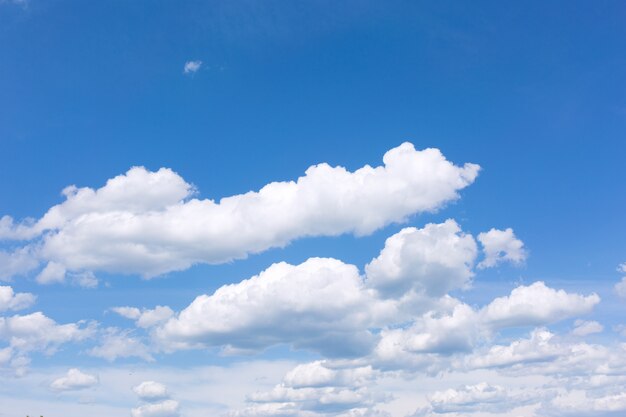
433, 333
74, 380
145, 318
320, 304
535, 349
148, 223
536, 304
35, 331
191, 67
577, 403
481, 397
167, 408
151, 391
585, 328
325, 373
326, 306
18, 262
52, 273
500, 246
85, 279
132, 313
620, 288
320, 389
55, 273
433, 260
9, 300
116, 343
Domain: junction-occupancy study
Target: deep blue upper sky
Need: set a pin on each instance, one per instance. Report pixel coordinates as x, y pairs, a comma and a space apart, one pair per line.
534, 92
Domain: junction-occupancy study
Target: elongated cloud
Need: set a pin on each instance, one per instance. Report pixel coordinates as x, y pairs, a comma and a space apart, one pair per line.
147, 223
151, 391
320, 304
537, 304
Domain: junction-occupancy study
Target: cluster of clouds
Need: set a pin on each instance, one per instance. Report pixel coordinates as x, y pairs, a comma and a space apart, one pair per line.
23, 334
156, 401
315, 389
150, 223
401, 315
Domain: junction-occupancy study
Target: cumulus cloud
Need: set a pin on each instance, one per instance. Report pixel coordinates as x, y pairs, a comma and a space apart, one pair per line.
537, 348
536, 304
433, 333
9, 300
151, 391
316, 388
74, 380
167, 408
36, 332
320, 304
326, 306
500, 246
33, 332
148, 223
433, 260
191, 67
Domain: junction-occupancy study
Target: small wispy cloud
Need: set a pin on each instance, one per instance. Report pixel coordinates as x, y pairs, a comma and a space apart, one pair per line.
191, 67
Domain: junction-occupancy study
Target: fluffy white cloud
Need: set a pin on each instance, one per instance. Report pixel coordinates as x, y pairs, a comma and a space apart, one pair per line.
167, 408
535, 349
500, 246
35, 331
324, 373
192, 67
317, 388
320, 304
116, 343
151, 391
148, 223
325, 305
9, 300
536, 304
584, 328
147, 317
74, 380
433, 260
433, 333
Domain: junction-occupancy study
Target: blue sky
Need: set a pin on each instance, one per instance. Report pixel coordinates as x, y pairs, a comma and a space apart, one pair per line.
533, 93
